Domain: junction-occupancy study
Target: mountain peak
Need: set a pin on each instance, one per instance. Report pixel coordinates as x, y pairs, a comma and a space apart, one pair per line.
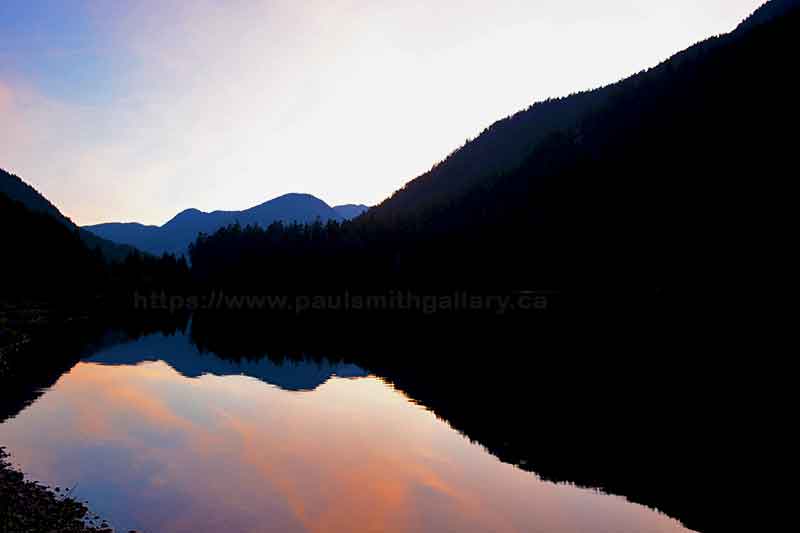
188, 212
185, 215
294, 197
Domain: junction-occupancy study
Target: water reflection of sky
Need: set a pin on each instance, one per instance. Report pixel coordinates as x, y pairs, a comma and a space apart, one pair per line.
154, 450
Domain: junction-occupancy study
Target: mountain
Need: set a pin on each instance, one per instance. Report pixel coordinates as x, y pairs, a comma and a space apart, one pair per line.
350, 211
676, 173
16, 189
48, 261
503, 147
675, 177
33, 242
175, 235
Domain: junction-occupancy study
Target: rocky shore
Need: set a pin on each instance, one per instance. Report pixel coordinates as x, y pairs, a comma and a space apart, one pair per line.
28, 507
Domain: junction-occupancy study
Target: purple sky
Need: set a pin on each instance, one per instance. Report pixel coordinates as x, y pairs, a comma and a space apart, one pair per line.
133, 111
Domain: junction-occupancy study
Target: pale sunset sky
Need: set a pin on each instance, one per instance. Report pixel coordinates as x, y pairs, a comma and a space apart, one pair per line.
135, 110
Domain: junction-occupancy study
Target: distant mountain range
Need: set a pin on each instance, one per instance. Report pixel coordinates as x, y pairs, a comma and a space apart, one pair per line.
117, 240
17, 190
176, 235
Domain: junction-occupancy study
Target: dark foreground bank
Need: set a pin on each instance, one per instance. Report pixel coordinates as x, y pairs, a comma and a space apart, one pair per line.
26, 506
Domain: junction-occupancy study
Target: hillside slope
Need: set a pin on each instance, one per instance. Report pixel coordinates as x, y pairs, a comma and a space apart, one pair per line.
503, 147
32, 240
16, 189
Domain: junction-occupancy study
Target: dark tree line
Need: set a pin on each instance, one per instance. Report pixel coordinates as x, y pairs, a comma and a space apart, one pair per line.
41, 253
43, 259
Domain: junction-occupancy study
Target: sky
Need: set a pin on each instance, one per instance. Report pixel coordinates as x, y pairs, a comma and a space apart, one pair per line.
136, 110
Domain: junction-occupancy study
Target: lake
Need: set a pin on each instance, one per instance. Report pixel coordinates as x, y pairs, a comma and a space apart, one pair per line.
159, 436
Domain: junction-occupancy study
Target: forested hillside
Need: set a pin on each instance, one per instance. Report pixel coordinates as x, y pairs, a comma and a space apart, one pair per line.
671, 178
44, 260
28, 266
16, 189
504, 146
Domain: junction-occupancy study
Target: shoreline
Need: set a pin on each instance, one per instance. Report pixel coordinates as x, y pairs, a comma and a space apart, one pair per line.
28, 506
24, 322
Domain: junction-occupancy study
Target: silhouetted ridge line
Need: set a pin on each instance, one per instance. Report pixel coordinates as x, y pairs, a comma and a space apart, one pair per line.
503, 146
175, 235
769, 12
16, 189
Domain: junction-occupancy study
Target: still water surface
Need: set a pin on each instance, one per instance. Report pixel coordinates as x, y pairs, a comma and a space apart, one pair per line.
161, 438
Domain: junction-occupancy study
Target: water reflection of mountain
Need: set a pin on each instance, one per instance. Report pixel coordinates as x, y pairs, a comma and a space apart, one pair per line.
179, 353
